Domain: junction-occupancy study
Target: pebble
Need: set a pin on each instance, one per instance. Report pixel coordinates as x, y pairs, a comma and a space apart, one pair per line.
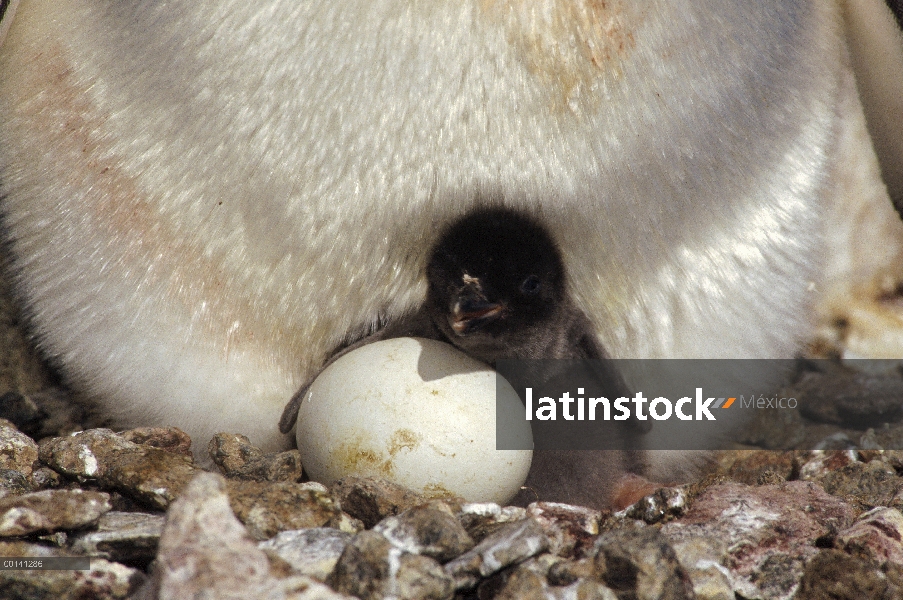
819, 463
13, 483
571, 529
371, 499
484, 518
428, 531
268, 508
237, 457
511, 544
51, 510
127, 537
664, 503
835, 574
18, 452
312, 552
876, 535
754, 467
864, 485
529, 581
372, 568
641, 564
171, 439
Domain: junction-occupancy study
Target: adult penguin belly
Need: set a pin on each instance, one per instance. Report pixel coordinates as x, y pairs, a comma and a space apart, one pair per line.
203, 199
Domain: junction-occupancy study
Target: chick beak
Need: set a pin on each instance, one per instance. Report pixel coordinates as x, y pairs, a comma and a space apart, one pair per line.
471, 310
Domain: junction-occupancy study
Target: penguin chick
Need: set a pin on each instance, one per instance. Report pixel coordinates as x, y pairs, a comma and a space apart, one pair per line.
496, 289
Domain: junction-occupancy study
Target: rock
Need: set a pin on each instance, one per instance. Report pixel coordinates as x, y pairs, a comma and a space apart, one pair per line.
865, 485
128, 537
204, 551
819, 463
84, 456
268, 508
305, 588
150, 475
894, 458
237, 457
876, 535
371, 500
18, 452
700, 558
232, 451
43, 478
171, 439
372, 568
839, 576
528, 581
512, 544
104, 580
564, 572
751, 466
14, 483
571, 529
760, 536
427, 530
481, 519
663, 503
312, 552
640, 564
50, 510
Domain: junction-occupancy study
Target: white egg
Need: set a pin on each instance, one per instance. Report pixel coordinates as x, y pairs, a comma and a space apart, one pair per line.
417, 412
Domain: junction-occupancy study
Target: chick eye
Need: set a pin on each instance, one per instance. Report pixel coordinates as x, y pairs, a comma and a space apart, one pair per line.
530, 285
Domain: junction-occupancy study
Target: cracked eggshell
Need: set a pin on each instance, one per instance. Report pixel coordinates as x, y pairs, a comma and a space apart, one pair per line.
415, 411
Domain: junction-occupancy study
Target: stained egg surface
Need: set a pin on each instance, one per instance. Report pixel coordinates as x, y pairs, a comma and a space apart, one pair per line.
417, 412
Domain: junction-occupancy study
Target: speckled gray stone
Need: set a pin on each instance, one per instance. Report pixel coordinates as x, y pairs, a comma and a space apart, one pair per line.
513, 543
481, 519
313, 552
427, 530
371, 499
372, 568
571, 529
641, 564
